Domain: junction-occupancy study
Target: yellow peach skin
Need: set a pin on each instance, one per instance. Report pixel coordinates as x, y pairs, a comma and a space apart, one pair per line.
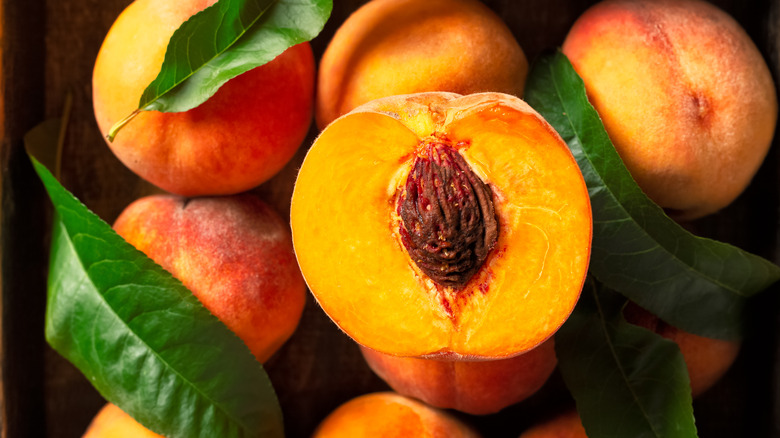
233, 252
392, 47
389, 415
684, 94
112, 422
236, 140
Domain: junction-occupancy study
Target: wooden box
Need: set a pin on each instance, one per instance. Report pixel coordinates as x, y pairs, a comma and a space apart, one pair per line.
48, 50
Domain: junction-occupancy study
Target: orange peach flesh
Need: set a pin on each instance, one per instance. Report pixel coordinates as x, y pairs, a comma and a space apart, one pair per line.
233, 253
233, 142
112, 422
684, 94
347, 244
392, 47
387, 415
474, 387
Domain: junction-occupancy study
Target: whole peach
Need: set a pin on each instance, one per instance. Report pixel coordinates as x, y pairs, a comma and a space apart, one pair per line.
112, 422
236, 140
390, 415
565, 425
685, 95
474, 387
706, 359
233, 252
392, 47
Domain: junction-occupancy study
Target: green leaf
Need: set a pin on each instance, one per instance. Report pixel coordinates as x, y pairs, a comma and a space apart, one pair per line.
221, 42
627, 381
140, 337
696, 284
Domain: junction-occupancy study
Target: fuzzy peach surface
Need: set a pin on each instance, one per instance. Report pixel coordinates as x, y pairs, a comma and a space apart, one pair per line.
233, 142
112, 422
474, 387
566, 425
706, 359
684, 94
389, 415
392, 47
347, 243
234, 254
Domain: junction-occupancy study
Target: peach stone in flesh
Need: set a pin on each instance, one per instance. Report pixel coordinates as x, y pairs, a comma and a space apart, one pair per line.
369, 247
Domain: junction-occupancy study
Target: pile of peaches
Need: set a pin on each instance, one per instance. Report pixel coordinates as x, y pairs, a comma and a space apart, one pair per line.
437, 219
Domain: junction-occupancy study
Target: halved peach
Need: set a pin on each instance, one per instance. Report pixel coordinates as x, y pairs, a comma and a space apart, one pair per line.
441, 225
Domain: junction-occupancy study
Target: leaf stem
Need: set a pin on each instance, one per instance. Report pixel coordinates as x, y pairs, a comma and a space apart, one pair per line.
120, 124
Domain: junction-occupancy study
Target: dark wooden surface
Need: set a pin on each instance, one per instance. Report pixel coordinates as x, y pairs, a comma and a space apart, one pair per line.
23, 223
48, 49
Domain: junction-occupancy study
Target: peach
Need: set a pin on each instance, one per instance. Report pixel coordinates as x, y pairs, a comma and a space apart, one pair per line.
387, 415
392, 47
473, 387
443, 226
707, 359
566, 425
236, 140
233, 252
112, 422
685, 95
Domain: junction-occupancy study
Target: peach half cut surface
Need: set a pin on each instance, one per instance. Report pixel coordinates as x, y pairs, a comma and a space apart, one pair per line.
441, 225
